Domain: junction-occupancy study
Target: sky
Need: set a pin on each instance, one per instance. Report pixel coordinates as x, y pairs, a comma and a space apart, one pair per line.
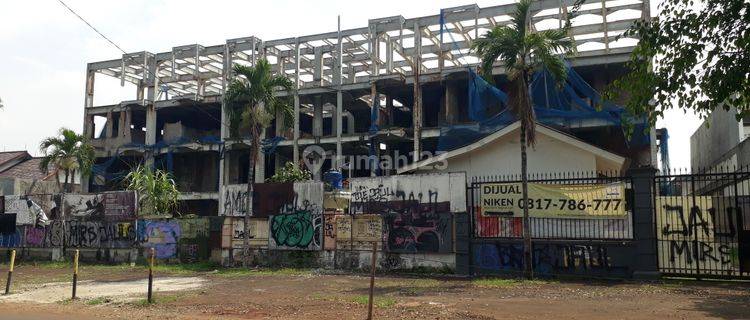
44, 50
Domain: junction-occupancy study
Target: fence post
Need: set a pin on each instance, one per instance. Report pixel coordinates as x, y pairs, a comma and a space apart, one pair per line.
645, 255
151, 275
10, 271
75, 274
372, 279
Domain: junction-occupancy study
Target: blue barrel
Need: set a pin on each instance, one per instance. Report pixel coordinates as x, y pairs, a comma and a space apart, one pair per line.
335, 178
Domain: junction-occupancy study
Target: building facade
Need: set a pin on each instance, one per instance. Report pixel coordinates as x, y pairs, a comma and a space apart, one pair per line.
387, 88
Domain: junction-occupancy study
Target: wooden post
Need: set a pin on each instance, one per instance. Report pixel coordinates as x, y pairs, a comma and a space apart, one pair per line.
372, 278
75, 273
151, 275
10, 271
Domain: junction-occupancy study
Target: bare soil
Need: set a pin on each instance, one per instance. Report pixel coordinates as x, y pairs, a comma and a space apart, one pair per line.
119, 293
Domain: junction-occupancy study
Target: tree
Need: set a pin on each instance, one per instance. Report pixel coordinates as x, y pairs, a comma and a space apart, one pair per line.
1, 103
68, 152
250, 102
291, 173
695, 55
523, 51
156, 189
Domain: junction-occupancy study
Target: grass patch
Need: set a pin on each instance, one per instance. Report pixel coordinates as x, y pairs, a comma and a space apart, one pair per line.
158, 299
505, 282
242, 272
98, 301
186, 268
380, 302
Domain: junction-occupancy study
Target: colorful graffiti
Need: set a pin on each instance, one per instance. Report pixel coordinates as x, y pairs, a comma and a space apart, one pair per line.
162, 236
299, 223
417, 212
296, 230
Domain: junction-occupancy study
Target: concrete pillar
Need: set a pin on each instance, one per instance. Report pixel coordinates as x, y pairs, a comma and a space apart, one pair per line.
224, 131
318, 116
451, 103
125, 122
644, 224
349, 122
389, 110
88, 121
110, 127
374, 106
417, 108
295, 142
318, 67
139, 91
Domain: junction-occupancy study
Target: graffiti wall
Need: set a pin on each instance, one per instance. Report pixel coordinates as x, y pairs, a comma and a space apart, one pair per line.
698, 233
233, 233
550, 259
298, 225
268, 199
233, 200
416, 211
286, 216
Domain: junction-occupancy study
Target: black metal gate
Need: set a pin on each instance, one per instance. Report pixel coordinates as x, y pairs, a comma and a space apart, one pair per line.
703, 224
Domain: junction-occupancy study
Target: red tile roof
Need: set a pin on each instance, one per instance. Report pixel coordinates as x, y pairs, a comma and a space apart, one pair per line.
28, 169
7, 156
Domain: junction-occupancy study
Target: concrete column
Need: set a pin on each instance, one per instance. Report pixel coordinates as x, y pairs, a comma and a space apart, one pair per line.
318, 116
339, 129
88, 121
349, 122
374, 106
451, 103
110, 126
224, 131
339, 79
139, 91
318, 67
295, 142
389, 110
644, 224
417, 108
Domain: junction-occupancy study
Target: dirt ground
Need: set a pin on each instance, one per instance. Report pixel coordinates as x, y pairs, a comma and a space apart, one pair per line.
200, 292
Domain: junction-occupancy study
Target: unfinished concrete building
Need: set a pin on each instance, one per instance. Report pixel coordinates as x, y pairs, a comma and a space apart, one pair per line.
412, 71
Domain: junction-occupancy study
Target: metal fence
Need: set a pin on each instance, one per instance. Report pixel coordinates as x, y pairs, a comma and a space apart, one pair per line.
703, 223
556, 227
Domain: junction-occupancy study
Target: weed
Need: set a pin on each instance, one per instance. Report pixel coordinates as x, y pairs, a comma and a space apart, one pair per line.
505, 282
380, 302
98, 301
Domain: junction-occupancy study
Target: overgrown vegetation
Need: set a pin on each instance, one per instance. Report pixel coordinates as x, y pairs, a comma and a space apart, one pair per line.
157, 191
291, 173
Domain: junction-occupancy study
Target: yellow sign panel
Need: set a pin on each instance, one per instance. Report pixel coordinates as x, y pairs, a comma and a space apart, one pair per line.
554, 201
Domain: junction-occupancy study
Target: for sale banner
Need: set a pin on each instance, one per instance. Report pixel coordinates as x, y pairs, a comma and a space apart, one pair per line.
554, 201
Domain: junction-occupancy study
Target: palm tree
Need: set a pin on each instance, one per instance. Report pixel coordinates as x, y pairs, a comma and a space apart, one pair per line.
523, 51
156, 189
68, 152
250, 103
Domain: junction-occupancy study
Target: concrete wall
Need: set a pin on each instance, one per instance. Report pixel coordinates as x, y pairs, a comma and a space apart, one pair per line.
503, 157
717, 135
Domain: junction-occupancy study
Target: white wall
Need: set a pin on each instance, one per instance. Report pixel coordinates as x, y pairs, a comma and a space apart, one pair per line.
503, 156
